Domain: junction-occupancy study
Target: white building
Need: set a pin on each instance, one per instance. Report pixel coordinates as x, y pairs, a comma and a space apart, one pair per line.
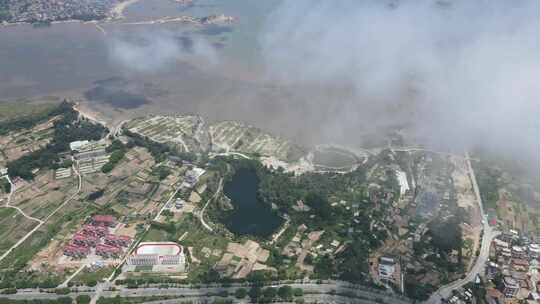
534, 251
192, 176
162, 256
387, 268
77, 145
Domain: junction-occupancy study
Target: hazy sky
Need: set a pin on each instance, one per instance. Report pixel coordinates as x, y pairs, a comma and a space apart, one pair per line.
460, 71
155, 50
456, 73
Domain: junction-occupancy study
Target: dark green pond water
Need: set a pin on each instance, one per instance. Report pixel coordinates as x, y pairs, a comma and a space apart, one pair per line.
250, 216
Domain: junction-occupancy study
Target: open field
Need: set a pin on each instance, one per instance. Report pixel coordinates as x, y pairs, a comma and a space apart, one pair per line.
40, 197
13, 110
18, 143
190, 133
90, 276
13, 226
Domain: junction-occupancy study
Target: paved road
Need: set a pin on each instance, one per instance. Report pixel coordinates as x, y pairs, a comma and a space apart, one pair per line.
478, 267
167, 203
212, 155
317, 291
66, 282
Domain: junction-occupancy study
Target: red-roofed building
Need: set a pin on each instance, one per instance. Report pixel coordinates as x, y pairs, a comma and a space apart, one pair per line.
75, 251
84, 240
117, 240
108, 250
493, 221
520, 264
103, 220
97, 231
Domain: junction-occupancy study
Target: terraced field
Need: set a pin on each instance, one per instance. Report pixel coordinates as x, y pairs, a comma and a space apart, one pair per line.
234, 136
191, 134
185, 132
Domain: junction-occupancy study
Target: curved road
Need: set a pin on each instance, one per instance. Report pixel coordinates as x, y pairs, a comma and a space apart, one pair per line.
478, 267
201, 214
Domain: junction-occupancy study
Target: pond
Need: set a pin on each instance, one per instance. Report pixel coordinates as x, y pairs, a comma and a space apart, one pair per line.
334, 159
250, 216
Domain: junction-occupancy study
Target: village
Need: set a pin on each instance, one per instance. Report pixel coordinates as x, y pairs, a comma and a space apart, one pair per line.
152, 204
31, 11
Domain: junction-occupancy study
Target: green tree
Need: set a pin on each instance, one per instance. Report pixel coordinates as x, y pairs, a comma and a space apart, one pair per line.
269, 292
8, 291
83, 299
240, 293
285, 292
107, 167
62, 291
320, 206
161, 172
255, 293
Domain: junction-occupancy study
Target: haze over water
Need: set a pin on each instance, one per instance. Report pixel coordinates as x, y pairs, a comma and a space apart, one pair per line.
71, 56
66, 59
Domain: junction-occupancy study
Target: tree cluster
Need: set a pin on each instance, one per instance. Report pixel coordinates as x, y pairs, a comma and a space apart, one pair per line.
118, 151
67, 129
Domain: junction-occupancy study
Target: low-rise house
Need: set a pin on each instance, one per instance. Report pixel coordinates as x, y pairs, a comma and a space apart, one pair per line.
117, 240
534, 264
534, 251
491, 270
78, 145
387, 268
76, 251
519, 265
500, 244
84, 240
107, 251
519, 252
494, 296
103, 220
97, 231
509, 287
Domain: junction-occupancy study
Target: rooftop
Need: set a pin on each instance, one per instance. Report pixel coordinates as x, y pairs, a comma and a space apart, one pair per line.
160, 248
510, 282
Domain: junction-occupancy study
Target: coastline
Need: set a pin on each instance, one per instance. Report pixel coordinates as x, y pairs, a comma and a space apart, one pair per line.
117, 12
90, 114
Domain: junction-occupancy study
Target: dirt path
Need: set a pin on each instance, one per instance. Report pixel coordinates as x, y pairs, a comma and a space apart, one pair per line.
24, 238
65, 284
12, 190
201, 214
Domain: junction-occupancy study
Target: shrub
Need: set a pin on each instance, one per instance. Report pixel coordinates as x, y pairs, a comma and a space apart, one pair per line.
62, 291
240, 293
9, 291
83, 299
